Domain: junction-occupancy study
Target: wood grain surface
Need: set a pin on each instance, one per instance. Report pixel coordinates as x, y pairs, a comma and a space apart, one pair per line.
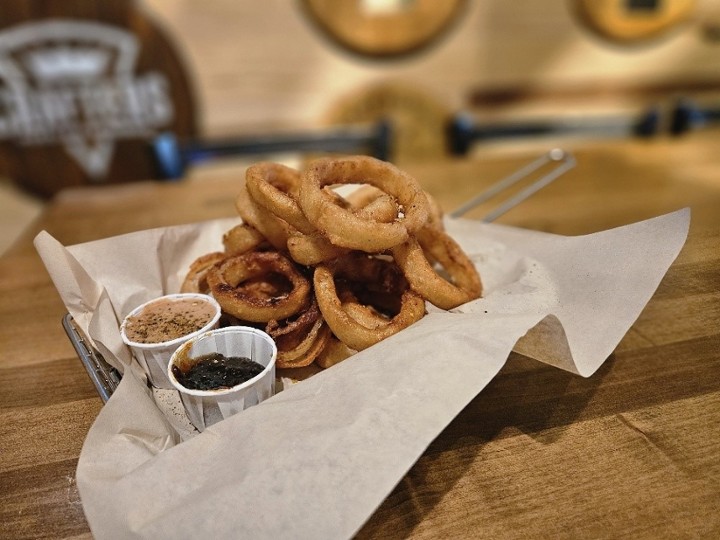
633, 451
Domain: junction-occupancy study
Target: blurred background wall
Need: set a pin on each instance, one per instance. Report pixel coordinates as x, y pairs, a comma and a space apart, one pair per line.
262, 65
268, 66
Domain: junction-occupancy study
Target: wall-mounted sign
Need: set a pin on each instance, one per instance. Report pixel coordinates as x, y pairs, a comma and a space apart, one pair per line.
81, 98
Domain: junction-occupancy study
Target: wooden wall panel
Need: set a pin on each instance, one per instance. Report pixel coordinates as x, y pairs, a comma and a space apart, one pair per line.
264, 65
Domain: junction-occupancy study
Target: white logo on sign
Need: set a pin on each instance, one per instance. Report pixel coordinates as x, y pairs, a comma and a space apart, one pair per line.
73, 83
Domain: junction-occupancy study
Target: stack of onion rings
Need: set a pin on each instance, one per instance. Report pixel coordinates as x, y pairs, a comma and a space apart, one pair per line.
326, 276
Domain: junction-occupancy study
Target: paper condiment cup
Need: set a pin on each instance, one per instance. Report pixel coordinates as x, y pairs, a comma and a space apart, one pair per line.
207, 407
155, 357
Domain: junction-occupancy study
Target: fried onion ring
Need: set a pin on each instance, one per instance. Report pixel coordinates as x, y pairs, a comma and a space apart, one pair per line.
196, 278
366, 272
334, 352
412, 257
436, 213
382, 209
368, 194
366, 314
346, 229
302, 349
377, 206
364, 195
312, 249
226, 282
273, 186
302, 320
241, 239
275, 230
300, 338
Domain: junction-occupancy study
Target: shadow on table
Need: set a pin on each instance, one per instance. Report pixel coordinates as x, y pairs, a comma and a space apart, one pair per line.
526, 397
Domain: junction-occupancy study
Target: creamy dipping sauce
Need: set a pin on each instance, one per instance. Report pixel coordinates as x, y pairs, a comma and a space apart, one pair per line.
167, 319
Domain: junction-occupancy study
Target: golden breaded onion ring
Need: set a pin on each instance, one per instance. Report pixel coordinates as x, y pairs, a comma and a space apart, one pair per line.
304, 349
275, 230
227, 278
364, 195
273, 186
241, 239
365, 272
334, 352
436, 213
412, 257
378, 206
365, 314
312, 249
346, 229
196, 278
368, 194
300, 338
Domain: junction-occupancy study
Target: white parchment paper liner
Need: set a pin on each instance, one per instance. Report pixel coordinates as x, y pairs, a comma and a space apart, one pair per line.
317, 459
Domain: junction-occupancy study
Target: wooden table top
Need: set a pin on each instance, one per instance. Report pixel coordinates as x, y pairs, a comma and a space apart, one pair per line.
633, 451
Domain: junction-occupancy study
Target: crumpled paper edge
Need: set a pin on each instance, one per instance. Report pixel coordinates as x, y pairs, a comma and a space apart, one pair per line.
583, 350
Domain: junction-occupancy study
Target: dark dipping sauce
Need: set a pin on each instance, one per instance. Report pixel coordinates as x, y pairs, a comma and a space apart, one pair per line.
215, 372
